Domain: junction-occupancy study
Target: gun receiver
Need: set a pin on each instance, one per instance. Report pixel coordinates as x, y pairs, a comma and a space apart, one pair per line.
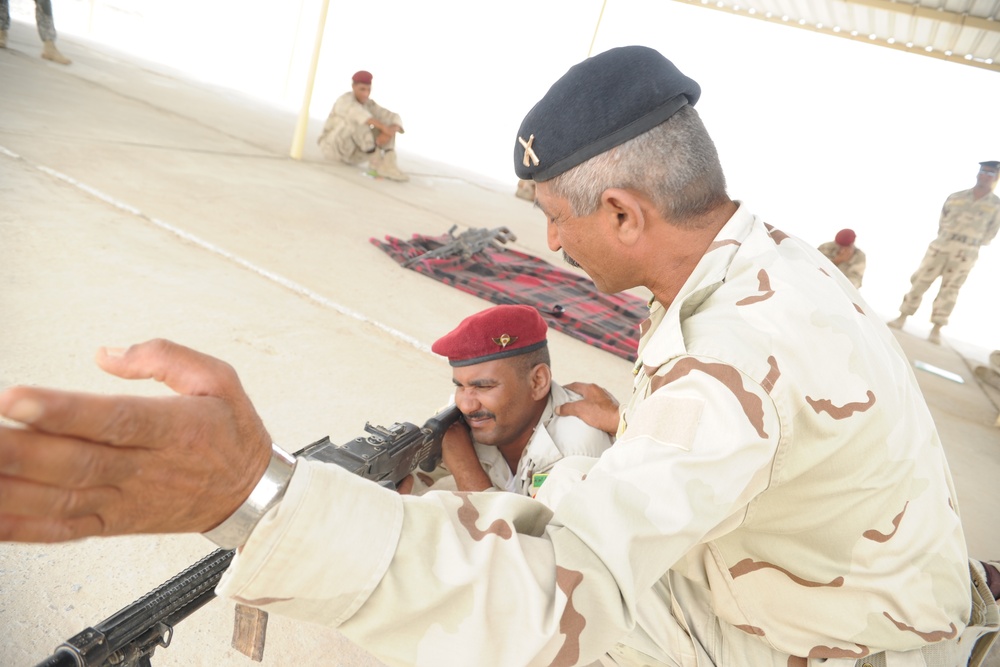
129, 637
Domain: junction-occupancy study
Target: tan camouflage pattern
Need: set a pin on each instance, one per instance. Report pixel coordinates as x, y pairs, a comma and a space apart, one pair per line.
346, 135
966, 224
778, 496
854, 268
555, 437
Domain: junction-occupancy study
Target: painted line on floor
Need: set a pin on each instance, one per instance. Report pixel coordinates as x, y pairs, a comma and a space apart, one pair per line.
187, 236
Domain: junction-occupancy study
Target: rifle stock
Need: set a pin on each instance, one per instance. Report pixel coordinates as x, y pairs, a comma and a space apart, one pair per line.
129, 637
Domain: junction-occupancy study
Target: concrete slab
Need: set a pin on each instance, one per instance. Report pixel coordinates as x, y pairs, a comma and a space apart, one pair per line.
135, 203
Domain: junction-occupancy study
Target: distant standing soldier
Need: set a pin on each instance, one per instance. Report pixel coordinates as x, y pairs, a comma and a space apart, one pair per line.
969, 219
846, 256
358, 129
46, 29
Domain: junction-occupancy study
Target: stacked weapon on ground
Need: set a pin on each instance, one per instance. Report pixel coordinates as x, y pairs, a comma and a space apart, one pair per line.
386, 455
467, 244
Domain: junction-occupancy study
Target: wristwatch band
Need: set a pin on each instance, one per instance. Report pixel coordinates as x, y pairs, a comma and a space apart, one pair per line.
235, 531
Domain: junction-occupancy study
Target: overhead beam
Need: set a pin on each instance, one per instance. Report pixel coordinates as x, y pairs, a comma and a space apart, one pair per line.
720, 6
920, 11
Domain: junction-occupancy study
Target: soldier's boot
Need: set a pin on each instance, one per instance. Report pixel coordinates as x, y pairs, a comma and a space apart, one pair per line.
935, 335
3, 39
387, 167
898, 322
50, 52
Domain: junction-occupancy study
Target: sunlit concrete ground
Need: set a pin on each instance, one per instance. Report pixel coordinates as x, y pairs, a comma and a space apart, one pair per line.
135, 203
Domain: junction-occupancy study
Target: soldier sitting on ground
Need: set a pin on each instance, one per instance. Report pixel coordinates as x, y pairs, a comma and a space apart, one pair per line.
358, 129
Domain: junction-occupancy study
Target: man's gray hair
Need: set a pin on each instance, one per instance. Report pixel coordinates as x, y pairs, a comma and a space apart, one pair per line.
675, 164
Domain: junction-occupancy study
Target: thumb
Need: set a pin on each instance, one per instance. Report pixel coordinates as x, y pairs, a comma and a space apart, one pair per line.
184, 370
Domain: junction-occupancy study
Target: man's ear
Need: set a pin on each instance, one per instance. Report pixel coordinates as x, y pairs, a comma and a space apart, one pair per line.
541, 381
629, 218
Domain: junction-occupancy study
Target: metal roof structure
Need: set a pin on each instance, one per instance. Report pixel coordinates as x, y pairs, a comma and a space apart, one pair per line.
960, 31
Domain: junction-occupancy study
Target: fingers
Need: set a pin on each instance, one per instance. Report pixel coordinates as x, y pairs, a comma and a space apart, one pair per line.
115, 420
21, 529
51, 460
184, 370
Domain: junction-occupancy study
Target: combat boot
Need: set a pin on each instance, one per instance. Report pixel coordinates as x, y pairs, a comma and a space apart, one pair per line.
935, 335
387, 167
3, 39
50, 52
898, 322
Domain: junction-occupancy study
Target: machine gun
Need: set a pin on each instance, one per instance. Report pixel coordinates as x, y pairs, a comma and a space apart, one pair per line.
129, 637
467, 244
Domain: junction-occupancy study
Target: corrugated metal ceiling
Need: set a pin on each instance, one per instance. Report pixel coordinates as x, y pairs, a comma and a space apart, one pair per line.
960, 31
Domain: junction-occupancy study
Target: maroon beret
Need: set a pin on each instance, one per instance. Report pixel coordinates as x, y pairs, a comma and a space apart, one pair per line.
495, 333
845, 237
361, 76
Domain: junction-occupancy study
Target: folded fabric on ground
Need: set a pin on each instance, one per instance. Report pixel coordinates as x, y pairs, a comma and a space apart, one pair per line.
569, 303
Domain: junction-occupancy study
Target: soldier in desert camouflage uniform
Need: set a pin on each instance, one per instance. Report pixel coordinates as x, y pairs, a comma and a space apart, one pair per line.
846, 256
359, 130
763, 505
969, 219
510, 436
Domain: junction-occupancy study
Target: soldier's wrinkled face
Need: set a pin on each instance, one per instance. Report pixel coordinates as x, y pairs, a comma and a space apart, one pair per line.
583, 240
362, 91
495, 399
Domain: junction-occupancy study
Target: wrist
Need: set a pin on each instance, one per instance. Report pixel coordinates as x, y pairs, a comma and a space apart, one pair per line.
236, 529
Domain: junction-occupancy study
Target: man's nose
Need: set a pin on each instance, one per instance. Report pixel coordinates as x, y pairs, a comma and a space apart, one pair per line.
553, 237
467, 404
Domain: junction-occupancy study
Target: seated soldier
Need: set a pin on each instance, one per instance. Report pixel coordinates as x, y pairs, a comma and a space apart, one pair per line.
358, 129
510, 436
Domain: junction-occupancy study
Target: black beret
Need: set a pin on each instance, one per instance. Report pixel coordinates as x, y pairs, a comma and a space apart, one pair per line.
990, 163
598, 104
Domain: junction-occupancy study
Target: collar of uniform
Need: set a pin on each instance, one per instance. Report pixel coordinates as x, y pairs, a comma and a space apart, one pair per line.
665, 339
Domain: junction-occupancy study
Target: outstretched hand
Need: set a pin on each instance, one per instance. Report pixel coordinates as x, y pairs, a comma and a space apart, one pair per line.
598, 407
87, 464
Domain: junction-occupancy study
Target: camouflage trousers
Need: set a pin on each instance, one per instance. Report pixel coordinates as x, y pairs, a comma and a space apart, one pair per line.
43, 19
952, 263
352, 145
682, 631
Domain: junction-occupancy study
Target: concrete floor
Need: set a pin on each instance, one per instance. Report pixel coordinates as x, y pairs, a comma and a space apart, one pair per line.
135, 204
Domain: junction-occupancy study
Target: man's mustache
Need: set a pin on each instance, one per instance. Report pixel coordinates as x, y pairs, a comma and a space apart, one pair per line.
569, 260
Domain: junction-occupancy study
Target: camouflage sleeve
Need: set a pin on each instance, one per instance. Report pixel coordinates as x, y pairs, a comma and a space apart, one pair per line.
992, 227
856, 269
424, 580
347, 108
385, 116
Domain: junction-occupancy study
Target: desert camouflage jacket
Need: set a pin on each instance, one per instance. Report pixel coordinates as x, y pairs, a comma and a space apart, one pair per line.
347, 114
966, 220
776, 457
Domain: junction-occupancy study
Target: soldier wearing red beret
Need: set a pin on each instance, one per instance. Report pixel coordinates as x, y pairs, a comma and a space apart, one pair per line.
846, 256
510, 435
359, 130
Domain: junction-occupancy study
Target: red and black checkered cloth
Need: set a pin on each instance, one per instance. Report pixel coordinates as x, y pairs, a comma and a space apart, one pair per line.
568, 302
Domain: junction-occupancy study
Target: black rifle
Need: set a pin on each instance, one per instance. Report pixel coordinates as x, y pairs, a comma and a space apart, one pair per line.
467, 244
129, 637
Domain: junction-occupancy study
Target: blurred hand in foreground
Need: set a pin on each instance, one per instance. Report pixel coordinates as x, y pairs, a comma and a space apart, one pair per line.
87, 464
